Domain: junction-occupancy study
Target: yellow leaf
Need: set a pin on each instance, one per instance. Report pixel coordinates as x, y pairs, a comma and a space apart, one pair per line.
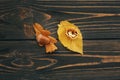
70, 36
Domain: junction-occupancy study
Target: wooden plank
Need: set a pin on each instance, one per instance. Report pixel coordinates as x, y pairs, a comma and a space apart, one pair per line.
26, 57
97, 74
95, 53
97, 20
107, 31
92, 47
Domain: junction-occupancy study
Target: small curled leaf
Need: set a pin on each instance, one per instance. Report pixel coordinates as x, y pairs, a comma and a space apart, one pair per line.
44, 39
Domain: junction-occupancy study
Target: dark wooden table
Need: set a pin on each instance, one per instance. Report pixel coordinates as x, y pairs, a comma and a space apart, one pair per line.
22, 59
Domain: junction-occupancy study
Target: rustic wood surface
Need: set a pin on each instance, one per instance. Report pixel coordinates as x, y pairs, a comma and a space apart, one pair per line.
22, 59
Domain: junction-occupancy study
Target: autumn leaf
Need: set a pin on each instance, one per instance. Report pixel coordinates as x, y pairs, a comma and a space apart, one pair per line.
44, 39
70, 36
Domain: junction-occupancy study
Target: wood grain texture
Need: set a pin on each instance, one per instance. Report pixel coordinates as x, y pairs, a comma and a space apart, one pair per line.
95, 19
22, 59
